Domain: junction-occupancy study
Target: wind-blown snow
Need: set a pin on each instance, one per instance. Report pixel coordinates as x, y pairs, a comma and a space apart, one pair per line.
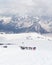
14, 55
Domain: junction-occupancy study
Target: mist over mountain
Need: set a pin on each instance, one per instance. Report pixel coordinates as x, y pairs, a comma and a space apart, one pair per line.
17, 16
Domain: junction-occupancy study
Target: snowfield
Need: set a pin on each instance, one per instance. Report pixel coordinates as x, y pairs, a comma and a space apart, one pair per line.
14, 55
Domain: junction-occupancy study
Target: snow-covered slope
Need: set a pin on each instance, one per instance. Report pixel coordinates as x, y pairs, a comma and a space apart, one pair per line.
14, 55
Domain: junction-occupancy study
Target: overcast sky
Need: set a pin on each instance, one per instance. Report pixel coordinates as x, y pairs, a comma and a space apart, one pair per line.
38, 7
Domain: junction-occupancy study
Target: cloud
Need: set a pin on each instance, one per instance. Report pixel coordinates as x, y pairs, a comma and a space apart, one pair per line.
34, 7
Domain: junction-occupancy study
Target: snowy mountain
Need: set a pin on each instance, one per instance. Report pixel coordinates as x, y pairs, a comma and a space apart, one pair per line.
14, 55
19, 24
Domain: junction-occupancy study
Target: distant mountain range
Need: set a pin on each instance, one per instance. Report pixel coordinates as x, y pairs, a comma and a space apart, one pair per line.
20, 24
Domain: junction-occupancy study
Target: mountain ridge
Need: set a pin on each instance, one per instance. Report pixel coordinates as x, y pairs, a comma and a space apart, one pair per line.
19, 24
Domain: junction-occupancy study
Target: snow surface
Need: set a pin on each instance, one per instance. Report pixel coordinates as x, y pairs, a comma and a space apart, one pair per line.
14, 55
